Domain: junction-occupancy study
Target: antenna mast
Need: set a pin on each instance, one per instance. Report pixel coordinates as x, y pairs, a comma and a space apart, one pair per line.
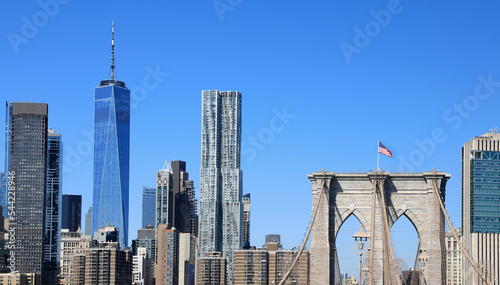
113, 50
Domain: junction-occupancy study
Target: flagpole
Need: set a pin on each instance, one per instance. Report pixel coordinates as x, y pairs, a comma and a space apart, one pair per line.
378, 156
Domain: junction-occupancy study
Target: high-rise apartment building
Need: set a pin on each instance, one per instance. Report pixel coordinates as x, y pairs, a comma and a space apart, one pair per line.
187, 258
27, 160
481, 207
72, 243
140, 265
88, 222
175, 202
221, 208
453, 258
246, 219
268, 265
167, 264
148, 206
53, 207
103, 265
193, 207
111, 154
211, 269
71, 212
146, 239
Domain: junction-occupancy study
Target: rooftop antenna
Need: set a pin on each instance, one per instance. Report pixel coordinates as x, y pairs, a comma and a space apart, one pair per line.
113, 50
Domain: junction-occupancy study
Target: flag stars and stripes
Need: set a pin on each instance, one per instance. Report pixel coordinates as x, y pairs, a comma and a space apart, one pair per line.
383, 150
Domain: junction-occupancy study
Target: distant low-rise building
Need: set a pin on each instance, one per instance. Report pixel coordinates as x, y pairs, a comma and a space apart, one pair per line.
16, 278
350, 281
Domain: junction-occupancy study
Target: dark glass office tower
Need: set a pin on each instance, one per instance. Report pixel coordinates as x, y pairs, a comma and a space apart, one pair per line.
52, 207
28, 165
71, 212
148, 206
111, 155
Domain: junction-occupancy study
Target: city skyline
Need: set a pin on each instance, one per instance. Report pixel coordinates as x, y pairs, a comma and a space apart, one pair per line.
412, 86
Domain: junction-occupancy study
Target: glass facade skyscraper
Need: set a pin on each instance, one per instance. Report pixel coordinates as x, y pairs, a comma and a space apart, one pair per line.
111, 154
53, 199
111, 157
4, 193
481, 205
221, 207
148, 206
485, 192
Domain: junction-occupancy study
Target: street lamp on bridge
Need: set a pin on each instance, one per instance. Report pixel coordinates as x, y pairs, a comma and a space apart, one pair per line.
360, 239
422, 259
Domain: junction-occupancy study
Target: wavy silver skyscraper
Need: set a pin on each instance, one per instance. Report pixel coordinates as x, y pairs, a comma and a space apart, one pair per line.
111, 154
221, 180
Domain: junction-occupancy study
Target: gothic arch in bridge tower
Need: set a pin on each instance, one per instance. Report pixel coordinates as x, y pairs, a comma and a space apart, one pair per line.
346, 194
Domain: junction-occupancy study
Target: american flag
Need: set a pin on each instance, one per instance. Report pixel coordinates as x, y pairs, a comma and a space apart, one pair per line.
383, 150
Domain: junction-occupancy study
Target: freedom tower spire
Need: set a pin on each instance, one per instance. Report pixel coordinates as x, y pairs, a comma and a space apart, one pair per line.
111, 153
112, 70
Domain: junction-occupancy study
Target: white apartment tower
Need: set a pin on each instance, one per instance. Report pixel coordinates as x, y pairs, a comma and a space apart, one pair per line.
221, 207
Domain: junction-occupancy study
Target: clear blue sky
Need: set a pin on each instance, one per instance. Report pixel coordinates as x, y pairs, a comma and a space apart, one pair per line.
404, 79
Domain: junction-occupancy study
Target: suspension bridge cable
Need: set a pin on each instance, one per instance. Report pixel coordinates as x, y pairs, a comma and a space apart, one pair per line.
285, 277
443, 209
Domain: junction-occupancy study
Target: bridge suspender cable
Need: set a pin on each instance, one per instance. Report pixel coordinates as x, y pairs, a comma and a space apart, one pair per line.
388, 244
372, 234
321, 192
443, 209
